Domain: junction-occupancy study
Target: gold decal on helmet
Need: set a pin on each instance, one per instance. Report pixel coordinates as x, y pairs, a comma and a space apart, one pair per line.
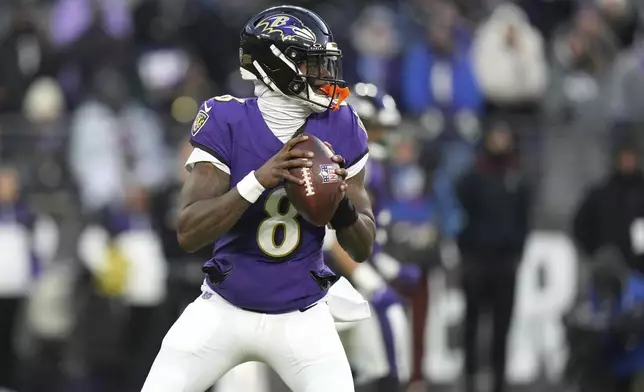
280, 21
287, 28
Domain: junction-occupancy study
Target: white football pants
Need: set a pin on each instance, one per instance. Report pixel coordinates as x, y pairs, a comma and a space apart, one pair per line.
212, 336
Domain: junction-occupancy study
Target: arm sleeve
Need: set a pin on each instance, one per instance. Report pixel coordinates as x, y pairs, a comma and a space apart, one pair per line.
199, 155
352, 142
211, 137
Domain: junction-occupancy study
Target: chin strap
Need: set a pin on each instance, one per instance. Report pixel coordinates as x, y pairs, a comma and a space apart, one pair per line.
337, 94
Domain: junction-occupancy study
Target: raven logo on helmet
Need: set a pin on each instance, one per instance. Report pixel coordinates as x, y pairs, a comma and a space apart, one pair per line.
287, 27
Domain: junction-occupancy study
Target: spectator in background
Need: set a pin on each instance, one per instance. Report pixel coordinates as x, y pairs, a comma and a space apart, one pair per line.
131, 230
377, 43
211, 29
473, 10
621, 18
576, 115
511, 68
495, 202
89, 35
172, 79
548, 15
587, 44
627, 96
52, 193
185, 273
422, 214
157, 23
115, 142
19, 265
611, 213
609, 230
116, 147
604, 328
22, 50
51, 185
118, 331
509, 58
439, 85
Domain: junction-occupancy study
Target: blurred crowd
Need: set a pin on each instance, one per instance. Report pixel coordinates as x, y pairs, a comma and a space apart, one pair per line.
517, 116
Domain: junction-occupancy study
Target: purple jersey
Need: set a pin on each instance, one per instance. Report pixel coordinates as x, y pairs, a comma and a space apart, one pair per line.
269, 257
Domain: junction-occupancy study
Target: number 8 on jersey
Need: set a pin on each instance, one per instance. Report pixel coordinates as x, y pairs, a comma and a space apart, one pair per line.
284, 217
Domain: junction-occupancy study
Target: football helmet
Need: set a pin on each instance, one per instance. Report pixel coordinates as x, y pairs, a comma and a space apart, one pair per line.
375, 108
291, 50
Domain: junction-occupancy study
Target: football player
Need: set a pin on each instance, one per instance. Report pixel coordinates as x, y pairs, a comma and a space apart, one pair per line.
379, 348
265, 293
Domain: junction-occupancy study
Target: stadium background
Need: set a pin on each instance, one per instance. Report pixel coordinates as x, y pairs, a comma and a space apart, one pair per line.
567, 85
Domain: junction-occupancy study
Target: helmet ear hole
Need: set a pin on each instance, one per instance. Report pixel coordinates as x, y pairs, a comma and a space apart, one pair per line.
293, 55
297, 86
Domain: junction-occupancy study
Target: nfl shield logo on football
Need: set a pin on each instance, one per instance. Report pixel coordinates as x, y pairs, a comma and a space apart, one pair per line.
328, 174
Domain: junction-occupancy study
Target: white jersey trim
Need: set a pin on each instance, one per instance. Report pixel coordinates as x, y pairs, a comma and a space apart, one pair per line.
199, 155
357, 167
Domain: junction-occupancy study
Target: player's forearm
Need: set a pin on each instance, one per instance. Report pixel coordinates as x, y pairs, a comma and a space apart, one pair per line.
358, 238
354, 222
204, 221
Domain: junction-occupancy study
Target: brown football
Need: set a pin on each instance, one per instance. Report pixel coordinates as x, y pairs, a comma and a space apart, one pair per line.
320, 195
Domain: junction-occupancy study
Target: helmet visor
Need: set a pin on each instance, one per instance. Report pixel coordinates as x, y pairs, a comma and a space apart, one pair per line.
322, 69
323, 72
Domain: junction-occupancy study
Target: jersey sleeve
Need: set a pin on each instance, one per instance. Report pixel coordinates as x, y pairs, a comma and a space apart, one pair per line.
199, 155
211, 137
353, 142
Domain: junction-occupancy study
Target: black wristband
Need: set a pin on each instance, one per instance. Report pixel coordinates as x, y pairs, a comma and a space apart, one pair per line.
345, 215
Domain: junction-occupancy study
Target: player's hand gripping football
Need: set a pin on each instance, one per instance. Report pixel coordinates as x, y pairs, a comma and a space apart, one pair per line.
342, 172
276, 169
